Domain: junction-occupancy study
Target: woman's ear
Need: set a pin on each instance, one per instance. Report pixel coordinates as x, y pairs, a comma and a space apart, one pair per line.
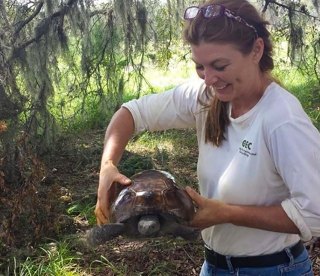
258, 49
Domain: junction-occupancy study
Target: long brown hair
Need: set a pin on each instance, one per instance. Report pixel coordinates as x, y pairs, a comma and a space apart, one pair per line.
226, 30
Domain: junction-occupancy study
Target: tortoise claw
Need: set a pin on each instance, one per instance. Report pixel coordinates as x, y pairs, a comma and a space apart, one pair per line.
100, 234
180, 230
189, 233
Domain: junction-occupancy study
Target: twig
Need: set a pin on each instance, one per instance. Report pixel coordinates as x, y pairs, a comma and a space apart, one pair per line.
302, 10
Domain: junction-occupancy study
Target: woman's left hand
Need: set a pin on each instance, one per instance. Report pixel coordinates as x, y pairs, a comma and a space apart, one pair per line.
209, 211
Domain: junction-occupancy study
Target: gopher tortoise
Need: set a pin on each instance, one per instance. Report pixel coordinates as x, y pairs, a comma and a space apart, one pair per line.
151, 206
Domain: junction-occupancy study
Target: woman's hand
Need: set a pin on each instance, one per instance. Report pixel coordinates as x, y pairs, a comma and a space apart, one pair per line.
212, 212
209, 211
109, 175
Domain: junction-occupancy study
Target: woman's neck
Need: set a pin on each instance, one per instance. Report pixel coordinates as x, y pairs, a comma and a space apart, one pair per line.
246, 103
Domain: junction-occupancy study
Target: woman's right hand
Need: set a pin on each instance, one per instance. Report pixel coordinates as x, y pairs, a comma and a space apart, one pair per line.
109, 175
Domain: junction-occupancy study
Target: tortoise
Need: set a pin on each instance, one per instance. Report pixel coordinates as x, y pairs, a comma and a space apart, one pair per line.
151, 206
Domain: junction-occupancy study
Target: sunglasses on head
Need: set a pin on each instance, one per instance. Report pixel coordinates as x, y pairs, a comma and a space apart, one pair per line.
214, 11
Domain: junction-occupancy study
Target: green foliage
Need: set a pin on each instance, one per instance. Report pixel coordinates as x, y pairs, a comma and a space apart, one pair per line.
167, 149
56, 259
134, 163
122, 270
83, 209
306, 89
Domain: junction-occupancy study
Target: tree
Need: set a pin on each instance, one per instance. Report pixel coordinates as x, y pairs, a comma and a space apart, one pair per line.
298, 22
56, 59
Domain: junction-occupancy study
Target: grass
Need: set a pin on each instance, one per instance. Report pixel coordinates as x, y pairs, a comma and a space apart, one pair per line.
55, 259
168, 149
83, 209
109, 265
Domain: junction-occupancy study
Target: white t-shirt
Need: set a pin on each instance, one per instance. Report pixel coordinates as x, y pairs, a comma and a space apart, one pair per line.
271, 155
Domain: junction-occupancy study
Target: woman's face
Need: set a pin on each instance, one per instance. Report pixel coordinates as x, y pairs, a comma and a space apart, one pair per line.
233, 76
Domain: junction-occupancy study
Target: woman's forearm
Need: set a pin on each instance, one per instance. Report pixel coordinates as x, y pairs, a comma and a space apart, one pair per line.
272, 218
119, 132
212, 212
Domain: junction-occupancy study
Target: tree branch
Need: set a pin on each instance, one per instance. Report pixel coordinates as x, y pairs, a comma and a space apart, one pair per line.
25, 22
265, 6
302, 10
42, 27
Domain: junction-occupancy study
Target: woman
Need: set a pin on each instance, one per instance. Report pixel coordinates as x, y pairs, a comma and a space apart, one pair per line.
259, 154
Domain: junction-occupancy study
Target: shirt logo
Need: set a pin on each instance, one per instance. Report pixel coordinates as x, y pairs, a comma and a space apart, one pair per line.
246, 144
246, 148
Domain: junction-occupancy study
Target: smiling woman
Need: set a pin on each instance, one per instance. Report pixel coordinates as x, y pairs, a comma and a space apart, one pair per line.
259, 194
220, 66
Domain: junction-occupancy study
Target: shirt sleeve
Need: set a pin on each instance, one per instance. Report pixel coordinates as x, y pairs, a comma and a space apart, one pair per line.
295, 147
174, 108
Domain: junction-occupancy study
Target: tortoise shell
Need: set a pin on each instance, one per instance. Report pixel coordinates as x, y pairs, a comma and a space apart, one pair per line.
151, 206
152, 192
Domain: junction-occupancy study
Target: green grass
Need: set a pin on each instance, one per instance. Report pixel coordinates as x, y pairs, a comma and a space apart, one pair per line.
83, 209
173, 150
103, 262
55, 259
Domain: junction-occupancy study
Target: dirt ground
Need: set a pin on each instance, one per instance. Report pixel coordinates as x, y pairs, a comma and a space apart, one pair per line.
73, 172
